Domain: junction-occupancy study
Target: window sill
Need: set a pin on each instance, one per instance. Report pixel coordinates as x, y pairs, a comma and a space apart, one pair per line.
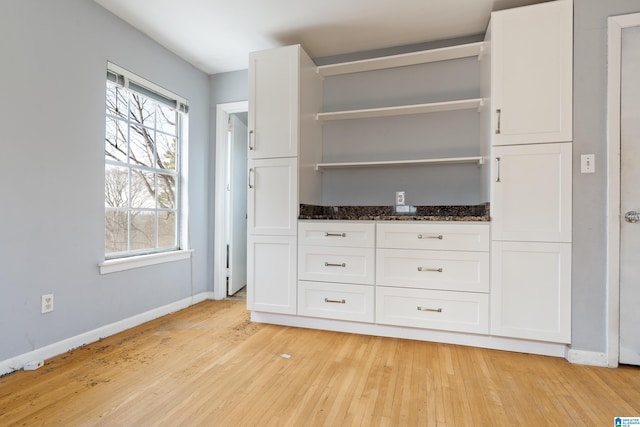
121, 264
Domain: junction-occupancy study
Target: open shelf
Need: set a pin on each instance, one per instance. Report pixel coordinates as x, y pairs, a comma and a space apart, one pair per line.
401, 60
477, 159
401, 110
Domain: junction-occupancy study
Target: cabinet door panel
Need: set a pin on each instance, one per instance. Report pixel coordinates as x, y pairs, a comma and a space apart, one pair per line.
271, 274
531, 291
531, 193
532, 73
273, 197
274, 102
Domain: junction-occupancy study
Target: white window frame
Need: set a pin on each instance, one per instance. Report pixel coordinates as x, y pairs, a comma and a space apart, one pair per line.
129, 260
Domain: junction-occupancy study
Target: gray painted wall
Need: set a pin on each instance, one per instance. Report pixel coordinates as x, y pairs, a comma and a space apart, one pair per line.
589, 190
54, 56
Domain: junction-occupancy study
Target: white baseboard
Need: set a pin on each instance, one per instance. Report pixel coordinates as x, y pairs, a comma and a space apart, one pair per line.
592, 358
52, 350
483, 341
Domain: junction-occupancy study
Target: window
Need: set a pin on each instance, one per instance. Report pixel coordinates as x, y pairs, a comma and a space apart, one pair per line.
143, 145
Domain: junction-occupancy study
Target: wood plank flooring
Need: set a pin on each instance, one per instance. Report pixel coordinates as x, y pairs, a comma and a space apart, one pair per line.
209, 365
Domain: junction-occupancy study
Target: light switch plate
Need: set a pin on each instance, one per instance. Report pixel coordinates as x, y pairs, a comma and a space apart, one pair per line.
587, 163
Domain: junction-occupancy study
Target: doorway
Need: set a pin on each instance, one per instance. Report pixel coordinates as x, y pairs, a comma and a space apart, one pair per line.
230, 239
623, 227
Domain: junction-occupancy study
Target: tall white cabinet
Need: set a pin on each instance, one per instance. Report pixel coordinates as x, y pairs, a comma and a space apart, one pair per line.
276, 127
531, 104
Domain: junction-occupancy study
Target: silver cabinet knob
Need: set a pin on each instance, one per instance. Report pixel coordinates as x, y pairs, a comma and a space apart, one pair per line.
632, 216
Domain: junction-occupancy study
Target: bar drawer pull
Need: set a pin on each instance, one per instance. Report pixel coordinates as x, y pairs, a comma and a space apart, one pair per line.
434, 236
435, 270
335, 301
434, 310
328, 264
327, 234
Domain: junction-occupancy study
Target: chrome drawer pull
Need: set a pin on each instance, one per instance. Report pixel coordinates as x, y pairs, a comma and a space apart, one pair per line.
335, 234
435, 310
328, 264
435, 236
335, 301
436, 270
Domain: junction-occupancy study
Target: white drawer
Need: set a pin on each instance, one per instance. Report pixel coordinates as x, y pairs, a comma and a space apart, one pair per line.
336, 301
450, 311
337, 233
336, 264
445, 270
434, 235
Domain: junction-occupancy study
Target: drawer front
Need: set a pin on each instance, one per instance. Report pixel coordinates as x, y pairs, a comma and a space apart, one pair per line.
336, 264
336, 301
444, 270
335, 233
438, 236
450, 311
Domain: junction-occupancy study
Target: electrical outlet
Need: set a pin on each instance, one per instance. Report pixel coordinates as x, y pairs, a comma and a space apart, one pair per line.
399, 198
587, 163
47, 303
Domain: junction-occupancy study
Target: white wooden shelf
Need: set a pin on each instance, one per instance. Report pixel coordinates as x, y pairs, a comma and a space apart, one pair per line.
413, 58
417, 162
401, 110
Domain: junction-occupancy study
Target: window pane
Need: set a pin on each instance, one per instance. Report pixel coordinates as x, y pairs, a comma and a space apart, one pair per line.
143, 230
143, 189
142, 110
116, 187
141, 146
115, 231
115, 145
166, 147
166, 119
117, 100
167, 230
166, 191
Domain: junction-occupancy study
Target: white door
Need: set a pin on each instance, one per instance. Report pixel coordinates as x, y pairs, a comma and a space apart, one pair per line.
272, 274
237, 189
532, 61
531, 193
273, 102
272, 196
630, 198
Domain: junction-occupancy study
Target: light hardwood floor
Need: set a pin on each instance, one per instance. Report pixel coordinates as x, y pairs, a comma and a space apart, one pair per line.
209, 365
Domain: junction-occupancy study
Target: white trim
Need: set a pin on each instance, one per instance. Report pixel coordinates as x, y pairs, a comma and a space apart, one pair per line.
483, 341
591, 358
52, 350
219, 245
121, 264
615, 26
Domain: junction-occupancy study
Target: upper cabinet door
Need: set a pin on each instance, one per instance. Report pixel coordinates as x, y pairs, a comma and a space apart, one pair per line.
531, 193
274, 102
532, 68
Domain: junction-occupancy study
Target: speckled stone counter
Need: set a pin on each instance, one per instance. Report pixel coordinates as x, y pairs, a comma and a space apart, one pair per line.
388, 213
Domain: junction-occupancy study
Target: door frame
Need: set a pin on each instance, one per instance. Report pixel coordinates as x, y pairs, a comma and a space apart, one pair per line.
219, 244
614, 55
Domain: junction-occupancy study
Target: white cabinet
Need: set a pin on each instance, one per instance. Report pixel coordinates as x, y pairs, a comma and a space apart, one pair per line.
531, 193
336, 266
531, 293
443, 310
272, 203
271, 274
433, 275
284, 141
532, 73
273, 105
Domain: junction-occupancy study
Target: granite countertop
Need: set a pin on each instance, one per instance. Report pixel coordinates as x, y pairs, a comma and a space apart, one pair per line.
389, 213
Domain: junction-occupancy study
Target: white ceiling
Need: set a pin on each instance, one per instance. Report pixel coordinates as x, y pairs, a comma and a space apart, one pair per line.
216, 36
